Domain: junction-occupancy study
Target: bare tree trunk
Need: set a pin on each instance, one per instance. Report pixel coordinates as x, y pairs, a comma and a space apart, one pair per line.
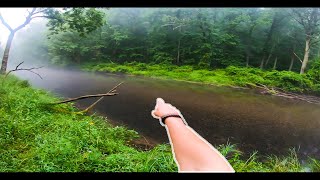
291, 63
270, 54
292, 57
6, 53
262, 62
275, 22
267, 61
275, 63
247, 60
306, 55
178, 56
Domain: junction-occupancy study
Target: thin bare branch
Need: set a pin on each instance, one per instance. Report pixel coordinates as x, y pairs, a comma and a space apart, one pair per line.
27, 21
297, 57
24, 69
40, 11
43, 16
5, 23
19, 64
92, 105
84, 97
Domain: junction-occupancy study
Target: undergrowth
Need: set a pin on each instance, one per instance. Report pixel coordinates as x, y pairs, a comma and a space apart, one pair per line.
35, 137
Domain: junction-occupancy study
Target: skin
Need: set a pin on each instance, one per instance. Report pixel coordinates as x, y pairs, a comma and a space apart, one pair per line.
191, 152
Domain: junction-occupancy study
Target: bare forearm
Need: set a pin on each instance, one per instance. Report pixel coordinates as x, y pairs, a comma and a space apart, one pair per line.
192, 152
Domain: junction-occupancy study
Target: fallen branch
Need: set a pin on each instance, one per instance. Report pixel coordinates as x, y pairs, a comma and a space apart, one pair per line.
93, 104
23, 69
281, 93
84, 97
111, 92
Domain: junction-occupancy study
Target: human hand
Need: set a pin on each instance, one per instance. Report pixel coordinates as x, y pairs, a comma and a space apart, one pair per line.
163, 109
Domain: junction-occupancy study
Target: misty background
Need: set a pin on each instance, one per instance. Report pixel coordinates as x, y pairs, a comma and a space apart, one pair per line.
215, 37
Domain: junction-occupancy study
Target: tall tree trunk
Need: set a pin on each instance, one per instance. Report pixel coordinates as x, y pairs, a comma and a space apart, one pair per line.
292, 57
248, 45
269, 56
306, 55
275, 63
247, 60
275, 22
291, 63
262, 62
6, 53
178, 56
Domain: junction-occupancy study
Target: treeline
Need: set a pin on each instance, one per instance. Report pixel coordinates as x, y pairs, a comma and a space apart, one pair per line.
268, 38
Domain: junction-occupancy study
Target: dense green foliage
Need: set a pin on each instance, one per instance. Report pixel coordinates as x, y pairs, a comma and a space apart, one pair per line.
234, 76
39, 138
240, 40
207, 37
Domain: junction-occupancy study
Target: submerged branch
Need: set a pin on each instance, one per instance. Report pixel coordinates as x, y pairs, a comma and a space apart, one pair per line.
281, 93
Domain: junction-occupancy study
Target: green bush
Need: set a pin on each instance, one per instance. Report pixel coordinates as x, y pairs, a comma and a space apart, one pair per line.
289, 81
314, 72
232, 75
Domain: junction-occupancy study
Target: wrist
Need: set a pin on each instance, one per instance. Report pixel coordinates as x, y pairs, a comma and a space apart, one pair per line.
174, 120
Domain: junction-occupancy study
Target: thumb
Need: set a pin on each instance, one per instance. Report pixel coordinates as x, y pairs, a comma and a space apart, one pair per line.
160, 100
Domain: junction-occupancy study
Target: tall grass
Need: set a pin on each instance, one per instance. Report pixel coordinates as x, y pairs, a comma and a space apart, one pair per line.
35, 137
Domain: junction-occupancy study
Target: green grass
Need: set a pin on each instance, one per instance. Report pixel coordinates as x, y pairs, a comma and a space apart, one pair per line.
230, 76
35, 137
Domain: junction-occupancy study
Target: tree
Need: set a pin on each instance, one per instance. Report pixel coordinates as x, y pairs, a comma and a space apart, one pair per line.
80, 20
177, 22
309, 19
276, 22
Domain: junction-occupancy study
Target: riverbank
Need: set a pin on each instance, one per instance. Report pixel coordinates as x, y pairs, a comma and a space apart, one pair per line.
39, 138
230, 76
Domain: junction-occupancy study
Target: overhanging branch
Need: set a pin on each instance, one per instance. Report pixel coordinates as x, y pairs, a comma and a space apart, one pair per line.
24, 69
5, 23
93, 104
27, 21
84, 97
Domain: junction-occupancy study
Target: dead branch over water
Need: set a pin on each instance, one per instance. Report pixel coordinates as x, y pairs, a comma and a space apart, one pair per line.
111, 92
281, 93
24, 69
84, 97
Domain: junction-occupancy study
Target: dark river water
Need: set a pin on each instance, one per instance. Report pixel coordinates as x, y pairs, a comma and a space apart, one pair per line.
248, 119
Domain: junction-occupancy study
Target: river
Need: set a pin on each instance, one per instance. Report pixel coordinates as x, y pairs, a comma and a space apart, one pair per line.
268, 124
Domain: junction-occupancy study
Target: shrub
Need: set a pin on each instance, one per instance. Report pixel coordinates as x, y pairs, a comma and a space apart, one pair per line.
289, 81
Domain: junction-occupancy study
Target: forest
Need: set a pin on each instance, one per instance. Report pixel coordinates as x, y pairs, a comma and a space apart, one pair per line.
274, 49
277, 47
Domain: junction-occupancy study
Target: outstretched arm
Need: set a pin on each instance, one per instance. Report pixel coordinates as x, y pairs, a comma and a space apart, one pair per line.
191, 151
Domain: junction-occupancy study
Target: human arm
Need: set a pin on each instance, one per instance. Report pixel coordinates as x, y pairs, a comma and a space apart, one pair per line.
191, 151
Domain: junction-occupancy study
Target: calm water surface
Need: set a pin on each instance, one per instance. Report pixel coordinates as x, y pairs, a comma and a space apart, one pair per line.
219, 114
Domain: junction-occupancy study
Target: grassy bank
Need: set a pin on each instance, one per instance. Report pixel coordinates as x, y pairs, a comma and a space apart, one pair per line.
231, 76
39, 138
